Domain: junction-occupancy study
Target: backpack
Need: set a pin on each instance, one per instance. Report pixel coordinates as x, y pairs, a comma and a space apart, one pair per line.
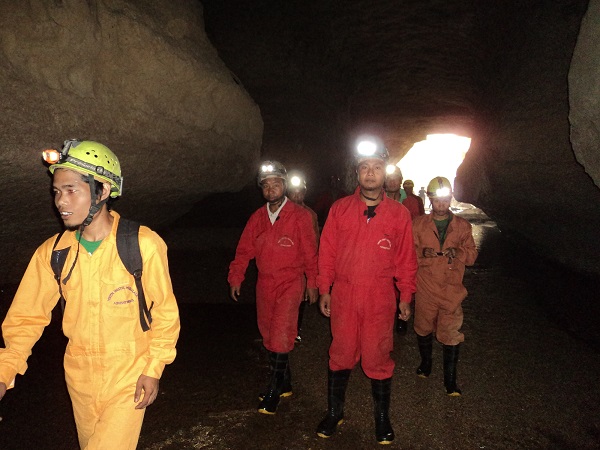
128, 247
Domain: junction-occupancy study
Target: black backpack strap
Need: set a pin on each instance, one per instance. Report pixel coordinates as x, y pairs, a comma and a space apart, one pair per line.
57, 261
128, 246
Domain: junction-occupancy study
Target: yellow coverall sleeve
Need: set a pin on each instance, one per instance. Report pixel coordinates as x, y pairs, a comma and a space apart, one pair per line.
28, 315
158, 291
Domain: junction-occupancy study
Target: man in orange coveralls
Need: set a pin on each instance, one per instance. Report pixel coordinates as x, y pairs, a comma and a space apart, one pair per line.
365, 246
112, 366
282, 239
444, 245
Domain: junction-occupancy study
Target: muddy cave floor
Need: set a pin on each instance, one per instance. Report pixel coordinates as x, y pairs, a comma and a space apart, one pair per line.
528, 381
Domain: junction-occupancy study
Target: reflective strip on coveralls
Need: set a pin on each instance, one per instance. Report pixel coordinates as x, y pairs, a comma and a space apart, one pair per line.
107, 349
440, 291
362, 260
284, 252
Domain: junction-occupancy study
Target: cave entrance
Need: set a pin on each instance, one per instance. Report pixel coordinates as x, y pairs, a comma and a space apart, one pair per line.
438, 155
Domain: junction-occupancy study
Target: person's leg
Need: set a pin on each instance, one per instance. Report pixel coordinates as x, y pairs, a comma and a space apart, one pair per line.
336, 397
382, 390
102, 389
449, 334
344, 351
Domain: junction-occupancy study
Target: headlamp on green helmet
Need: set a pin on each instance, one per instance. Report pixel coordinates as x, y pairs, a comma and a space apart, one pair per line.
90, 158
439, 187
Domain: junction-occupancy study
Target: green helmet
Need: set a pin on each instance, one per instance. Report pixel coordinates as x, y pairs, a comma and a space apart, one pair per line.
91, 158
439, 187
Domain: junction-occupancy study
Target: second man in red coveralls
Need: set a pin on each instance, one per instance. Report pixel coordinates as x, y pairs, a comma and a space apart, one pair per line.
281, 237
365, 247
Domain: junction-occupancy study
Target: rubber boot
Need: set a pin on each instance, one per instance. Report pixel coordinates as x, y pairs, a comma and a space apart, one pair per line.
382, 390
336, 396
278, 363
286, 390
425, 349
450, 362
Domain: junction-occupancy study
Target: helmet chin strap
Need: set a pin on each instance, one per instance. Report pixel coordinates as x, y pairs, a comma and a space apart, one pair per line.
95, 207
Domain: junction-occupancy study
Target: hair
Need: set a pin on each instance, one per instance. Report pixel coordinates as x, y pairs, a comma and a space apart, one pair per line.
98, 185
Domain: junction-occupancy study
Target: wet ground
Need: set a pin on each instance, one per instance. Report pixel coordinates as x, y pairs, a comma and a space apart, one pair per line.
529, 373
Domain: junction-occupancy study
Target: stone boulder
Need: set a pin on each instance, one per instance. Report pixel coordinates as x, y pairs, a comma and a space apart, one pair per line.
140, 77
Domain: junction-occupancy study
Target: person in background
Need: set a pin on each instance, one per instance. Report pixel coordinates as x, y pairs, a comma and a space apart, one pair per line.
112, 361
423, 195
281, 237
412, 202
366, 247
296, 193
393, 184
444, 245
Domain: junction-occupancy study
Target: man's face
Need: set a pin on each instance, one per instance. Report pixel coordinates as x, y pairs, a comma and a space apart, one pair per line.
440, 207
272, 189
297, 195
393, 183
72, 197
371, 174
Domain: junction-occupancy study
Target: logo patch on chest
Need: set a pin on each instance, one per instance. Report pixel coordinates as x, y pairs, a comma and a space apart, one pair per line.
385, 244
122, 296
285, 241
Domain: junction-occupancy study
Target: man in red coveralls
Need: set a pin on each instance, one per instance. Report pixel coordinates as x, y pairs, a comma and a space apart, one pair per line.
444, 245
282, 239
412, 202
365, 246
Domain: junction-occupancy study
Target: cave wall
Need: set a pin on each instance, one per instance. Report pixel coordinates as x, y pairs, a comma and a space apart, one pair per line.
500, 72
142, 78
521, 168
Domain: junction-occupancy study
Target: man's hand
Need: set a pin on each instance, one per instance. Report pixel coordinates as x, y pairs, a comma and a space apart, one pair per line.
404, 311
324, 301
313, 295
450, 252
150, 387
234, 292
2, 390
429, 253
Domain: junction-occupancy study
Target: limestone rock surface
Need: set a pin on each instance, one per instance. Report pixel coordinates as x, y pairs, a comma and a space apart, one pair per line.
140, 77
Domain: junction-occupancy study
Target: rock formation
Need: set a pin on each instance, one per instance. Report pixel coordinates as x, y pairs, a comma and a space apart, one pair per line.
140, 77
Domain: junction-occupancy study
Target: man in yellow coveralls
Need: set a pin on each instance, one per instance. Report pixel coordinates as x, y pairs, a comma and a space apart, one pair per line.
112, 363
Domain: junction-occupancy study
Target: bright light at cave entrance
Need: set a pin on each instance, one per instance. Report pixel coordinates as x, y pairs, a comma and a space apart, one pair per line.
438, 155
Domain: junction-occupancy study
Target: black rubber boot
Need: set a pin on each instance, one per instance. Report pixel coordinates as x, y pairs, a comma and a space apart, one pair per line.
382, 390
425, 349
278, 363
286, 390
336, 396
450, 362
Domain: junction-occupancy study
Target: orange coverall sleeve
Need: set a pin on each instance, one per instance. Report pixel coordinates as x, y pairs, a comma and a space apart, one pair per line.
28, 315
158, 291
